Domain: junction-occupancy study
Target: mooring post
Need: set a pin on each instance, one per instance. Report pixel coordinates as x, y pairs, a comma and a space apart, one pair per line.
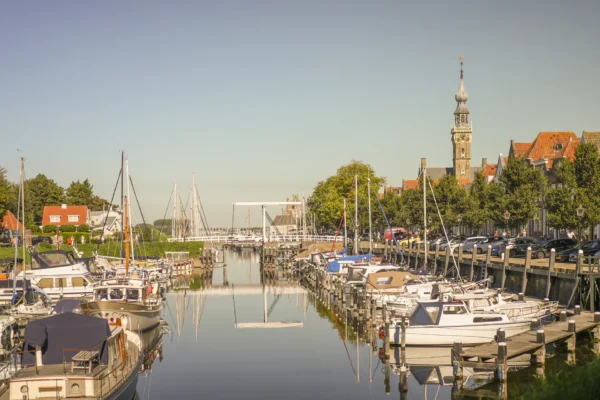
501, 370
551, 263
540, 353
577, 272
596, 333
500, 335
473, 262
488, 262
460, 254
457, 368
526, 267
563, 316
447, 260
403, 341
571, 342
577, 309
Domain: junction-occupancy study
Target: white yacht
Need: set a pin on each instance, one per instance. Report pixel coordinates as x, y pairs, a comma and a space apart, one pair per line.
59, 275
436, 323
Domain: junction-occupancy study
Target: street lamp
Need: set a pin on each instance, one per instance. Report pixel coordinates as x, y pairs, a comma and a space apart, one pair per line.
580, 213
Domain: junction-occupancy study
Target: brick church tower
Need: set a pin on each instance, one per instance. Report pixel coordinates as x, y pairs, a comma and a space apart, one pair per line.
461, 133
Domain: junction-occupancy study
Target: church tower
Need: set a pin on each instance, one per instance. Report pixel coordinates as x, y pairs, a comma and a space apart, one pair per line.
461, 132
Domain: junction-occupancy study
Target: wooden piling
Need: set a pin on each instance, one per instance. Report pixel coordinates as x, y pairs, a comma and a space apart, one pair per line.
488, 262
505, 265
551, 263
447, 260
473, 262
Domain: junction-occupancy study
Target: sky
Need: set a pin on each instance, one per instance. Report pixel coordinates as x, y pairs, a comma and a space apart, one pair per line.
264, 99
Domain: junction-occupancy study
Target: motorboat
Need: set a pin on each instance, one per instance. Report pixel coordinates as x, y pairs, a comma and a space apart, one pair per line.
438, 323
58, 274
31, 303
77, 357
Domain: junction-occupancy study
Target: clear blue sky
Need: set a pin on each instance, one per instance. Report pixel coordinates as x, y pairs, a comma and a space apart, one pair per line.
262, 99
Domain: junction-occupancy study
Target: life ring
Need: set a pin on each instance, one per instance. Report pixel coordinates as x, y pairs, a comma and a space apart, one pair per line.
381, 333
149, 288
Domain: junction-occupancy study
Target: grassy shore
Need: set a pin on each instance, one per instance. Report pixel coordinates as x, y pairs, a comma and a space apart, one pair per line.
154, 249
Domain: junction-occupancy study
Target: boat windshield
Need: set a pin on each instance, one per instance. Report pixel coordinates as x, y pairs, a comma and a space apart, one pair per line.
426, 314
54, 260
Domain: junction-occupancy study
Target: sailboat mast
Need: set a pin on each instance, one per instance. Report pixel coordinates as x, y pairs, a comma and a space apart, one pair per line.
345, 226
129, 226
22, 183
424, 176
356, 242
122, 191
370, 222
127, 238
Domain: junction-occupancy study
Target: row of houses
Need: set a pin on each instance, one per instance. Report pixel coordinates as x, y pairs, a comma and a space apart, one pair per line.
107, 221
544, 152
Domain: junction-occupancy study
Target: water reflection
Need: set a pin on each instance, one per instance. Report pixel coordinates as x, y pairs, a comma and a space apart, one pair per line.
223, 345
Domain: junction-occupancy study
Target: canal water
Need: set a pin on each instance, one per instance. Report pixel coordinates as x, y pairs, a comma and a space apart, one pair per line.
205, 355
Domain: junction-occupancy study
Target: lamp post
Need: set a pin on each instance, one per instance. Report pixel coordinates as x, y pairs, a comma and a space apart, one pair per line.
507, 217
580, 213
459, 219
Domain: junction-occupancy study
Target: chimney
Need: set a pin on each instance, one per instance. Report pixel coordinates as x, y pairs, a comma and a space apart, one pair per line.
423, 164
63, 206
483, 162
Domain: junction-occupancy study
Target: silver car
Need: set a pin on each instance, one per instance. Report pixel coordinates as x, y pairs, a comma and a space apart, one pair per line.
476, 240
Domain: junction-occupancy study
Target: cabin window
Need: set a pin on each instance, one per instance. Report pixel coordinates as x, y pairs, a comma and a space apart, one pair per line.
133, 294
101, 294
77, 281
452, 310
481, 303
116, 294
433, 313
61, 282
486, 319
46, 283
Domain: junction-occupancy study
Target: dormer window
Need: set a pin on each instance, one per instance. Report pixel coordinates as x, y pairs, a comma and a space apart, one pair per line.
558, 146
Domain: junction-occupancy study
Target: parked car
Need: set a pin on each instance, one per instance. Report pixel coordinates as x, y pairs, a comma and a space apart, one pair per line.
514, 242
543, 250
565, 255
40, 239
481, 244
589, 248
469, 242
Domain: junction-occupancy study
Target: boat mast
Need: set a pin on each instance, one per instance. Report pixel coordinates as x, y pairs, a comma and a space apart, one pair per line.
129, 226
20, 207
370, 222
345, 227
127, 238
424, 177
356, 242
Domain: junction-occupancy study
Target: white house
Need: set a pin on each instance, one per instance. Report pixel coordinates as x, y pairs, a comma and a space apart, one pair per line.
112, 218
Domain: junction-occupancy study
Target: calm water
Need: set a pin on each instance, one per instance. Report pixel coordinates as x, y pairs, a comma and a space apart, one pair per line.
206, 356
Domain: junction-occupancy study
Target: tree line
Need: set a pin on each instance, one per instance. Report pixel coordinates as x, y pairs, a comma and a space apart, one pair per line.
41, 191
569, 194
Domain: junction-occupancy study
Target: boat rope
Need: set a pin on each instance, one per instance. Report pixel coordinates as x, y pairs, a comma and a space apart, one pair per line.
390, 228
273, 305
445, 232
108, 212
342, 220
137, 200
234, 310
335, 317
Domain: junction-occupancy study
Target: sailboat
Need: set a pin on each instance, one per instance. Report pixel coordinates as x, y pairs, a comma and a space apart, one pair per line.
131, 298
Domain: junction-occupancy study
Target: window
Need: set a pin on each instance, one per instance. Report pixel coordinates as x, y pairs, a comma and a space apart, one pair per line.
433, 313
486, 319
46, 283
462, 153
116, 294
452, 310
462, 172
61, 282
73, 218
77, 281
55, 218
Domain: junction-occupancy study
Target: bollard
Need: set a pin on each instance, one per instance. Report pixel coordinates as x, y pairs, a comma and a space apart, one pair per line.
546, 300
572, 326
540, 336
521, 297
597, 316
534, 324
563, 316
578, 310
502, 352
500, 335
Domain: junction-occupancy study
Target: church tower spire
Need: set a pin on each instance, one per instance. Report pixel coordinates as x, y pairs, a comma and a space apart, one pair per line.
461, 131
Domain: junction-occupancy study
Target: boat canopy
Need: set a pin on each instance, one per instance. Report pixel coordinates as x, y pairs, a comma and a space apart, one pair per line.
67, 306
52, 259
335, 266
428, 313
74, 332
388, 279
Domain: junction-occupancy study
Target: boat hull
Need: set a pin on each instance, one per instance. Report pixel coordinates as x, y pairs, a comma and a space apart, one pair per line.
139, 317
128, 390
431, 335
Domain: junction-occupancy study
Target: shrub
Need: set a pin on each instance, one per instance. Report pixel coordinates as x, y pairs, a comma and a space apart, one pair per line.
67, 228
49, 228
83, 228
34, 228
76, 236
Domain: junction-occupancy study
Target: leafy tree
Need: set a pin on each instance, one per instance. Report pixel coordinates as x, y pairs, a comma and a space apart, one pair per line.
79, 193
39, 192
477, 213
83, 228
50, 228
327, 200
5, 192
577, 184
452, 200
523, 187
163, 225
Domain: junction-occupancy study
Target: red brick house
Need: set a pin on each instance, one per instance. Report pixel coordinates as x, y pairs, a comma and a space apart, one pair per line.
65, 215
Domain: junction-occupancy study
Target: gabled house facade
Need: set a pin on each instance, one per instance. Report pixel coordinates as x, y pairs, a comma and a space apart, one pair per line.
65, 215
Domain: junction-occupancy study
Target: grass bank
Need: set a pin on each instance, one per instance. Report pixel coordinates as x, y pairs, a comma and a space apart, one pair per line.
154, 249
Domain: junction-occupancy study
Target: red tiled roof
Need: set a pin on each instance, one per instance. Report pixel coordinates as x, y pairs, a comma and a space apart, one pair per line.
9, 222
490, 170
408, 184
521, 148
64, 213
549, 145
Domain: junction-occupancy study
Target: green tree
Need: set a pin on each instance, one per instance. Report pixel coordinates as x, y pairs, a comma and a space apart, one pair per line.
79, 193
523, 188
39, 192
5, 192
452, 200
577, 185
327, 199
476, 214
